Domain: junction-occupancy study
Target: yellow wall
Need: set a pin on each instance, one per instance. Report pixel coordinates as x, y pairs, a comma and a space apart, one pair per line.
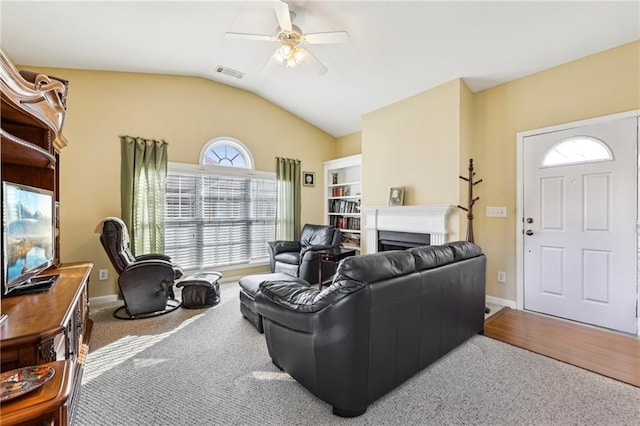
423, 142
467, 139
185, 111
415, 143
601, 84
349, 145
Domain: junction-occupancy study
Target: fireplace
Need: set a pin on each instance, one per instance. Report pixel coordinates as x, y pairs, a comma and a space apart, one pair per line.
393, 240
421, 225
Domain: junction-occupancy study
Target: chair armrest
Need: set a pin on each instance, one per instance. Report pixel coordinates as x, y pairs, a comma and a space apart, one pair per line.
308, 249
153, 272
282, 246
153, 256
177, 271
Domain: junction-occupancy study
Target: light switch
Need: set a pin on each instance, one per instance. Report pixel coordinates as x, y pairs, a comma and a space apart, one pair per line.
496, 211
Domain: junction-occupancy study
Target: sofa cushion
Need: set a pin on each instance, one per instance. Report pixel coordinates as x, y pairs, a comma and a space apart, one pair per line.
375, 267
251, 283
464, 250
429, 257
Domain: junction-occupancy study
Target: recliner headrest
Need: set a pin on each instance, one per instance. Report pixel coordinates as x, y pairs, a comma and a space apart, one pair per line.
316, 235
125, 234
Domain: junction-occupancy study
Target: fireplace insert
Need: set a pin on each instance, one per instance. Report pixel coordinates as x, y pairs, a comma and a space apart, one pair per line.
392, 240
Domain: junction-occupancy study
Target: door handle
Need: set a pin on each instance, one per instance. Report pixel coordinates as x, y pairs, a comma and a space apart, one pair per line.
529, 232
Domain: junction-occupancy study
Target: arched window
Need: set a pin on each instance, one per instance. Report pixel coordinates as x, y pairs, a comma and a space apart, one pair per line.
226, 151
578, 149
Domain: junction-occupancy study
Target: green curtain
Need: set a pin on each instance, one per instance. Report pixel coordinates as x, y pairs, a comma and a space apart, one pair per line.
287, 199
143, 179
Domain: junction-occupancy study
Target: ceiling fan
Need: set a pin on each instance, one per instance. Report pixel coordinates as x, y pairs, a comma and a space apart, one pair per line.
291, 53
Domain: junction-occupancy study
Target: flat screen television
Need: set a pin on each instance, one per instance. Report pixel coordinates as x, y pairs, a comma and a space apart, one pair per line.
27, 233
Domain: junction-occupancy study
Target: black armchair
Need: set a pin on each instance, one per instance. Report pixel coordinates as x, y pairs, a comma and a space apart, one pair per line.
145, 281
301, 258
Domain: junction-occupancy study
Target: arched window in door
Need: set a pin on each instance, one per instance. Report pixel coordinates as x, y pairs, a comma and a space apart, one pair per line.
577, 149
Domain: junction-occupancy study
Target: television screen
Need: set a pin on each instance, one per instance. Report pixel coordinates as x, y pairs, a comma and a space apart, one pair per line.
27, 233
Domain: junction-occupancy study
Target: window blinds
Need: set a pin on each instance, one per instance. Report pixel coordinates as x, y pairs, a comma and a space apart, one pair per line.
214, 220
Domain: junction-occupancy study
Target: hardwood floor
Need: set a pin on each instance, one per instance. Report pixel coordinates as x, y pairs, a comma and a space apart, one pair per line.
604, 352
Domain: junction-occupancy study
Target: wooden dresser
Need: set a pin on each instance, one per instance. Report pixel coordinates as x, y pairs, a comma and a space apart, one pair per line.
52, 326
42, 328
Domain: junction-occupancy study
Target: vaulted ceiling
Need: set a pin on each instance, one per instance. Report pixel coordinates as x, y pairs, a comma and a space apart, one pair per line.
396, 49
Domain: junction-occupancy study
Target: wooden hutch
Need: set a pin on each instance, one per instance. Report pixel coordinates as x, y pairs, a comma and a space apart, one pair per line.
51, 327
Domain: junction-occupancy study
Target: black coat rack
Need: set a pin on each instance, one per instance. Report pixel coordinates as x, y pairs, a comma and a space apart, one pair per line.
469, 209
470, 200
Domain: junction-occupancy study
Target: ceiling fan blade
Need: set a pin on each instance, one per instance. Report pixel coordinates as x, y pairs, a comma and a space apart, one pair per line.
245, 36
314, 62
282, 14
327, 38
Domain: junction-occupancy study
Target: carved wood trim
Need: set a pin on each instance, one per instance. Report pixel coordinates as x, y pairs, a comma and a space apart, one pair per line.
44, 99
47, 350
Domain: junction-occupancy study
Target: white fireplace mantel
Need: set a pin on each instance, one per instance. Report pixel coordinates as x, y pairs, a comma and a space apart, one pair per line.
421, 219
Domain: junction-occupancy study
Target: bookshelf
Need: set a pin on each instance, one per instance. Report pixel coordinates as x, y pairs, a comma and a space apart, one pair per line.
343, 195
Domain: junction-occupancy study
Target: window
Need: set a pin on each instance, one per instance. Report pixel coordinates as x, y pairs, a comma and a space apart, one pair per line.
219, 216
226, 152
581, 149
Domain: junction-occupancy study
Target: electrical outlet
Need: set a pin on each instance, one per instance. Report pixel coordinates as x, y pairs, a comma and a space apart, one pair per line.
502, 277
496, 212
103, 274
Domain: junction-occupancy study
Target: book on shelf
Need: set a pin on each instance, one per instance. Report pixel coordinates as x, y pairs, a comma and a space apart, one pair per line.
340, 191
344, 206
346, 223
352, 240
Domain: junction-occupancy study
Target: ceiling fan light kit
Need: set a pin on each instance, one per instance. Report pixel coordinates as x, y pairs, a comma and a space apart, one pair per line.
291, 53
290, 56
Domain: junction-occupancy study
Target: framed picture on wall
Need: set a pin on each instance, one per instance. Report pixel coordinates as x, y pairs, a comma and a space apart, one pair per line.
396, 196
308, 178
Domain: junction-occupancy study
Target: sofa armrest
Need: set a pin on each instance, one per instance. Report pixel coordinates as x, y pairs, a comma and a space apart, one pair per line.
291, 295
294, 305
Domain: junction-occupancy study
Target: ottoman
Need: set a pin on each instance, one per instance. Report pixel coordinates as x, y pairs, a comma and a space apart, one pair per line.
200, 290
249, 286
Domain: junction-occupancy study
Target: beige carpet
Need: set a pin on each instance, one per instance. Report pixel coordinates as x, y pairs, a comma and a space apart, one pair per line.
211, 367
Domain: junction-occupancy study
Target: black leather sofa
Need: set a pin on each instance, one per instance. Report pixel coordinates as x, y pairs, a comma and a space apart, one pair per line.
385, 317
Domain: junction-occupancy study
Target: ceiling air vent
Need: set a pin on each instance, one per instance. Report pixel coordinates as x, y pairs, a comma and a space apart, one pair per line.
229, 71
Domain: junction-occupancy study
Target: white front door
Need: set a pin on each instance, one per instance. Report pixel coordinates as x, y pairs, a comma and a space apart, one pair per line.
580, 245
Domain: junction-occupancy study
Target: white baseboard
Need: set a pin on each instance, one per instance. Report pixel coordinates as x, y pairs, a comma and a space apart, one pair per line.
502, 302
225, 280
103, 300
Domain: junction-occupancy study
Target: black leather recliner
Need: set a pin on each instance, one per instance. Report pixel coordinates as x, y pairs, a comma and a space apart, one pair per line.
385, 317
145, 281
300, 259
